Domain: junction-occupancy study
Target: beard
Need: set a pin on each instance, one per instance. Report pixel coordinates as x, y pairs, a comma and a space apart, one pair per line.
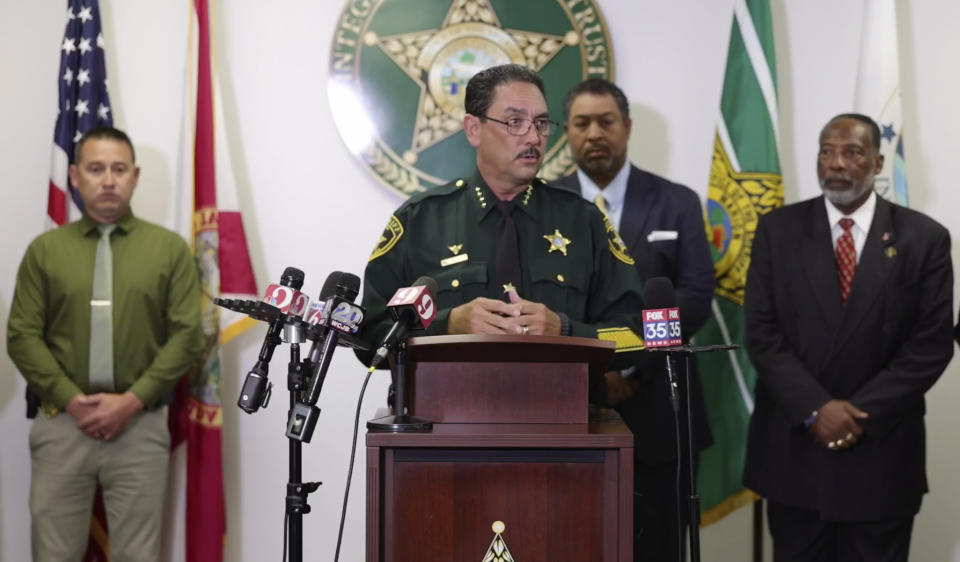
603, 161
845, 197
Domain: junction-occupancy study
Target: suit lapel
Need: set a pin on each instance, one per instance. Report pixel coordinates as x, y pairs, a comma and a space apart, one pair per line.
818, 259
637, 208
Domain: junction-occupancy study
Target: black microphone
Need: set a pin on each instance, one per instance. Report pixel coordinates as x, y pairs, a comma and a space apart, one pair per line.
339, 315
658, 292
413, 308
256, 389
661, 326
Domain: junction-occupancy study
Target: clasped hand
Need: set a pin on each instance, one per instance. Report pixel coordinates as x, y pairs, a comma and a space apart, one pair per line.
517, 317
836, 426
103, 416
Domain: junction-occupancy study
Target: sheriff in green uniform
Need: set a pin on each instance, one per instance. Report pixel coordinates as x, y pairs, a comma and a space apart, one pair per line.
572, 273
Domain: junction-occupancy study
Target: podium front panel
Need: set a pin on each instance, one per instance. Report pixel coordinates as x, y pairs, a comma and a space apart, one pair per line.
562, 494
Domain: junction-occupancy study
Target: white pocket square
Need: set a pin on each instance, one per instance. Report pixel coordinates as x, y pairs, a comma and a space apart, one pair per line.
658, 235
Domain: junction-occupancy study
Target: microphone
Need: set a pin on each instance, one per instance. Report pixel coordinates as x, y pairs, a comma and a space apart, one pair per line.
413, 308
336, 316
277, 303
661, 326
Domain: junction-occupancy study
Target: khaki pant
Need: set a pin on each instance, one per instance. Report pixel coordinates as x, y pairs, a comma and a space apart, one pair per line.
66, 466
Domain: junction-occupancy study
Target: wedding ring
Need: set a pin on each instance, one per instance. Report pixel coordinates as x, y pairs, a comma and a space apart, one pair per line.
526, 330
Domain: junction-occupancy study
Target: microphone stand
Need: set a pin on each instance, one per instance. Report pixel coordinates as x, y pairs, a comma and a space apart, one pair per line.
693, 500
297, 491
400, 422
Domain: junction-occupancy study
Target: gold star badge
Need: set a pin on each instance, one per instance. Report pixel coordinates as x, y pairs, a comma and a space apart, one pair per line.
508, 287
557, 242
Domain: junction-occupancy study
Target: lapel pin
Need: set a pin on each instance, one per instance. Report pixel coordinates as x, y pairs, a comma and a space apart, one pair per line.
891, 252
885, 237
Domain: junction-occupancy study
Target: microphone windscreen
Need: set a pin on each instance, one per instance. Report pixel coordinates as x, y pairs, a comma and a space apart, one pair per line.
330, 285
658, 292
292, 277
348, 286
428, 282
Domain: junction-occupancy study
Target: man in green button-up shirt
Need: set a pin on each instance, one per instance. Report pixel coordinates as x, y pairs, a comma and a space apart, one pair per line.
117, 438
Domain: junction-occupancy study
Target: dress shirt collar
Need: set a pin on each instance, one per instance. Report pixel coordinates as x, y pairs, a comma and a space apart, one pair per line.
862, 219
124, 224
614, 194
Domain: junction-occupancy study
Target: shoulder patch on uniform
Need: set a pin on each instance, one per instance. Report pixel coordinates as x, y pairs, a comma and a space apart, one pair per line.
391, 234
617, 247
624, 338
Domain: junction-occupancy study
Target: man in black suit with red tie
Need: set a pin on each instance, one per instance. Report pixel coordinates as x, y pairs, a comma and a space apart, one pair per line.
662, 225
849, 321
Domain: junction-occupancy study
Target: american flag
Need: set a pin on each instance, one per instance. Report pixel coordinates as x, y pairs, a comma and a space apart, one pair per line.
83, 105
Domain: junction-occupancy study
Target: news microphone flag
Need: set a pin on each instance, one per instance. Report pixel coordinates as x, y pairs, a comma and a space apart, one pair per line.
289, 300
661, 327
207, 194
419, 298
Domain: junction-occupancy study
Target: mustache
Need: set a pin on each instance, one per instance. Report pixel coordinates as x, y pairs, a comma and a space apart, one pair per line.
595, 147
833, 177
532, 151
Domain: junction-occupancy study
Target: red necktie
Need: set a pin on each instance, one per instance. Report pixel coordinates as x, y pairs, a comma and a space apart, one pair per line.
846, 256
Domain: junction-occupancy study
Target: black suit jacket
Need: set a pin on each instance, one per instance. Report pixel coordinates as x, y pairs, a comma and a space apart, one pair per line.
882, 351
655, 203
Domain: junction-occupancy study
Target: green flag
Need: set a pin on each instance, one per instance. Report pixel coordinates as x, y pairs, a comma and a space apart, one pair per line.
744, 184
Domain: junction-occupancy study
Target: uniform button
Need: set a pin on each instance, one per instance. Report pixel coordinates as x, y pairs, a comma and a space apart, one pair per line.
455, 283
560, 278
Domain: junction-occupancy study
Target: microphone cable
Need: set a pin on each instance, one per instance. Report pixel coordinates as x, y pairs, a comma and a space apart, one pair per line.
353, 453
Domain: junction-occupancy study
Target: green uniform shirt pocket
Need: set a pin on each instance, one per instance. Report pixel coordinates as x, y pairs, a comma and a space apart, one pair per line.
461, 283
560, 284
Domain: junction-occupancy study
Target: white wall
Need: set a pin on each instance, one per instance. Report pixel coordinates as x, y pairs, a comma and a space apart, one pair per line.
290, 164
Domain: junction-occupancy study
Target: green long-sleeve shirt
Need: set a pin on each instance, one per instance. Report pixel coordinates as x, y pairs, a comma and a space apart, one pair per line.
573, 261
156, 310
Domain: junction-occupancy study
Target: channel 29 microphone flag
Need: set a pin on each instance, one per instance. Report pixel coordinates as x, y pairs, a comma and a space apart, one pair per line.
220, 250
744, 184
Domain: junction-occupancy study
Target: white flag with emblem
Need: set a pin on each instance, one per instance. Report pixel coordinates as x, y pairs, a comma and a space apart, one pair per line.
878, 93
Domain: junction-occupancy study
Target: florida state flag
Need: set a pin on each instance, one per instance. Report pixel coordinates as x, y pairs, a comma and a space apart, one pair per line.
220, 250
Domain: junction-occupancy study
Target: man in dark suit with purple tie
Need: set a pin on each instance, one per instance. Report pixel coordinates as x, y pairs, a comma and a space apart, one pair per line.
849, 321
662, 225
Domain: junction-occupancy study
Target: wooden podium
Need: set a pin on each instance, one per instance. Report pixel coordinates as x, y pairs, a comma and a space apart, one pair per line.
511, 442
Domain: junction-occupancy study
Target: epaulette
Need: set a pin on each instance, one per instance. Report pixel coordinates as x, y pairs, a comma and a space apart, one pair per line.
540, 182
439, 191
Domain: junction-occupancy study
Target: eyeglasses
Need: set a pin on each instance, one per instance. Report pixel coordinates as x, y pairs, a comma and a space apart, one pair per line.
519, 126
